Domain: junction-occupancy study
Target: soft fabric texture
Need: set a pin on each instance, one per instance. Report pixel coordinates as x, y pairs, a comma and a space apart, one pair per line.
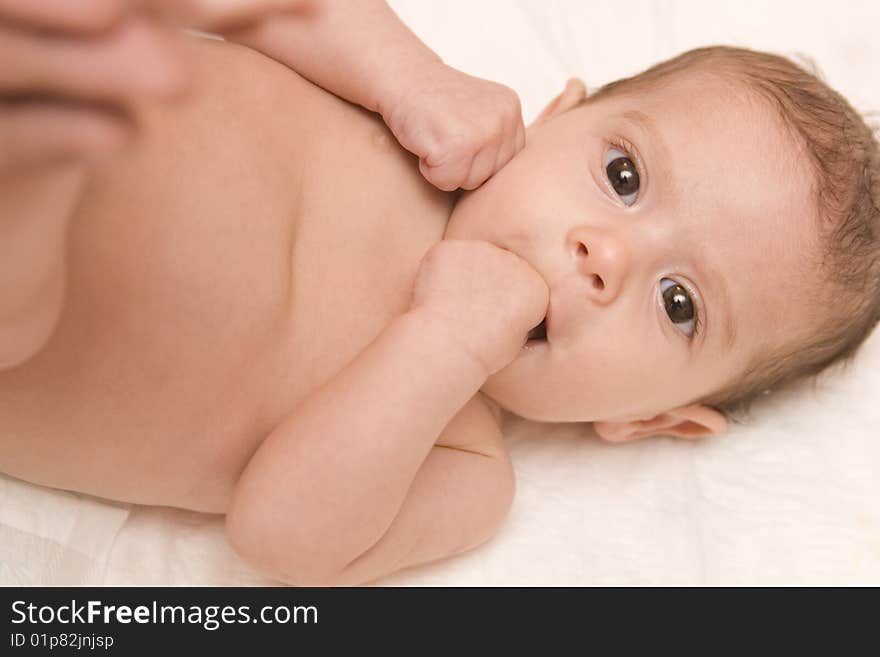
789, 498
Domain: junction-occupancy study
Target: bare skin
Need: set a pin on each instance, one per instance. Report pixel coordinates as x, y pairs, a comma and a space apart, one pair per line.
242, 291
158, 263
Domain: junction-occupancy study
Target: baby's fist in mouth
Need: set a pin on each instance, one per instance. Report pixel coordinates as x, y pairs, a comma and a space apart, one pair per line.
462, 128
480, 298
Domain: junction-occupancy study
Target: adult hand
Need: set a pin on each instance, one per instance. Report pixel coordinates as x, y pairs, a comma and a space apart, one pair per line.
71, 70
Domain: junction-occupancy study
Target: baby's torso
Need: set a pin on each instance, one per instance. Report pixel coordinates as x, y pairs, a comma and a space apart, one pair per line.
255, 239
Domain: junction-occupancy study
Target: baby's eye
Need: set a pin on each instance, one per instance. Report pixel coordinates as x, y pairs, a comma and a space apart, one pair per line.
678, 305
623, 175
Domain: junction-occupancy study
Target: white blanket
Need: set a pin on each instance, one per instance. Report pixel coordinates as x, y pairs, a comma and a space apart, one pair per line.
792, 497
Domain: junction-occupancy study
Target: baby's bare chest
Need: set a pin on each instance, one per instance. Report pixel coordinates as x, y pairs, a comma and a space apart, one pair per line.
211, 287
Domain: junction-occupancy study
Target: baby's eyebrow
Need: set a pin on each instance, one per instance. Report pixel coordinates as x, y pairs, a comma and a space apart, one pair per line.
646, 124
661, 155
660, 163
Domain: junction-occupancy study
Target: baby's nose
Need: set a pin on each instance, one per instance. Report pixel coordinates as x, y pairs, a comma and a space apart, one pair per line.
602, 260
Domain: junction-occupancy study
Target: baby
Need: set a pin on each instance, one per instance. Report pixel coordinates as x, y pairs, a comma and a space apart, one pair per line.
271, 309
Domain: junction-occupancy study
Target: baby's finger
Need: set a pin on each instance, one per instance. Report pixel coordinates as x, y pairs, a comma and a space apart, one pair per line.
520, 136
136, 59
64, 15
505, 154
447, 176
482, 167
33, 132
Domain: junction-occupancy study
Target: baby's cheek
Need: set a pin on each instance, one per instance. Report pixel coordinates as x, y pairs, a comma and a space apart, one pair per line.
604, 362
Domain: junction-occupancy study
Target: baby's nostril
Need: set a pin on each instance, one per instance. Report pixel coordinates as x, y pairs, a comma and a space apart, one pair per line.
582, 249
598, 283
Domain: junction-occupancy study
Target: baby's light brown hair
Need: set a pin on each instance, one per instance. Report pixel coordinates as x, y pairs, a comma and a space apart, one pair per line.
844, 159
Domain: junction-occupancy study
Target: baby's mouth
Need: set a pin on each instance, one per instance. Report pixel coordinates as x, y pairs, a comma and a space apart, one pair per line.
539, 332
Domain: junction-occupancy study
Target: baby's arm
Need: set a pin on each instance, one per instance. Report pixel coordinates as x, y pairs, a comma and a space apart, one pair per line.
462, 128
351, 486
360, 51
355, 483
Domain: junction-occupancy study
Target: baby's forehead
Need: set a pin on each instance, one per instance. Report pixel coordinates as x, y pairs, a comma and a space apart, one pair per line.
721, 162
708, 135
699, 105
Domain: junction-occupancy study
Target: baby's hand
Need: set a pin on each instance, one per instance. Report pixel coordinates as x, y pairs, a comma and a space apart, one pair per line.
486, 299
463, 128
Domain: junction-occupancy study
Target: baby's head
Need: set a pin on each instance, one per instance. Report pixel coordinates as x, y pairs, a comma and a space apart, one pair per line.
709, 229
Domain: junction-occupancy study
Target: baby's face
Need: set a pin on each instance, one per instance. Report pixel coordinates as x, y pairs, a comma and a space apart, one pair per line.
673, 228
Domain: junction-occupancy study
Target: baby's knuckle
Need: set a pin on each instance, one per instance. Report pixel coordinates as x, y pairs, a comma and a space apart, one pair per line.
446, 161
457, 141
500, 122
437, 175
472, 179
515, 104
434, 154
513, 117
509, 96
444, 182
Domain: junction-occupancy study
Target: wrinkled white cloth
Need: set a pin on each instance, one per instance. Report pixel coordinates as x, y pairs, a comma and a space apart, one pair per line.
790, 498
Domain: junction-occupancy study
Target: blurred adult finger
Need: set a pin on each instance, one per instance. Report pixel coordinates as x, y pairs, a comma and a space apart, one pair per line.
135, 59
65, 15
218, 15
37, 131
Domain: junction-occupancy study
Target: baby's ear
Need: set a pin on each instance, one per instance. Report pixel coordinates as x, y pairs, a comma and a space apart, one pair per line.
575, 91
694, 421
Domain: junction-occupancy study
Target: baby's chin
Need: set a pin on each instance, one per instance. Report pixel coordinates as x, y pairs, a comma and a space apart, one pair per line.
514, 405
458, 227
518, 393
